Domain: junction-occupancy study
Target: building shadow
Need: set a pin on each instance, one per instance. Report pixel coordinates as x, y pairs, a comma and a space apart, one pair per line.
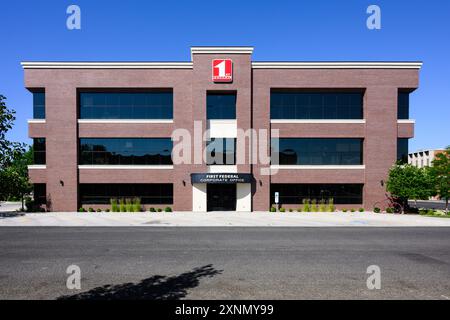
156, 287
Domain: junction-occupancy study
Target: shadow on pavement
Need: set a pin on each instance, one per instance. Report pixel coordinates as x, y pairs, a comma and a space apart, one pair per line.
154, 288
10, 214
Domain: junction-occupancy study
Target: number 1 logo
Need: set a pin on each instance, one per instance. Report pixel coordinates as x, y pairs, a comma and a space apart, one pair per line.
222, 70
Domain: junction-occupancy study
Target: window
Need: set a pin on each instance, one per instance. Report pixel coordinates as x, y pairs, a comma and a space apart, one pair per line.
221, 151
316, 105
39, 151
221, 106
126, 105
403, 105
125, 151
318, 151
149, 193
292, 193
402, 150
40, 193
39, 105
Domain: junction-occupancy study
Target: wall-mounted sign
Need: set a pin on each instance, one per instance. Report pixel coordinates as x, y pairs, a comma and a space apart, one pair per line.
222, 70
277, 197
221, 177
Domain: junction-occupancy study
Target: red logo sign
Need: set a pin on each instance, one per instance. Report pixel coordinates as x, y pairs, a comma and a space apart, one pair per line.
222, 70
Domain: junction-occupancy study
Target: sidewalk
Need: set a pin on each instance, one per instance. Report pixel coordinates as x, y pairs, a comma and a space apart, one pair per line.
221, 219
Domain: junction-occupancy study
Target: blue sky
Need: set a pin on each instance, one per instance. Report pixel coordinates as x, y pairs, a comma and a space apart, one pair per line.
279, 30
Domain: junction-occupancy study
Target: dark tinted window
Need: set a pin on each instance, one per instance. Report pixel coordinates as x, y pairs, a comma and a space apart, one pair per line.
317, 151
126, 105
125, 151
221, 151
39, 150
403, 105
402, 150
39, 105
316, 105
221, 106
292, 193
40, 193
150, 193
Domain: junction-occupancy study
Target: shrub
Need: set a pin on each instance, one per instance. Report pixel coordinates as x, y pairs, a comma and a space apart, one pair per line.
282, 210
361, 209
159, 209
122, 207
331, 206
136, 205
314, 205
152, 209
299, 210
376, 210
91, 209
352, 210
389, 210
81, 210
344, 210
99, 210
129, 205
322, 206
107, 210
306, 206
290, 210
273, 209
114, 206
167, 209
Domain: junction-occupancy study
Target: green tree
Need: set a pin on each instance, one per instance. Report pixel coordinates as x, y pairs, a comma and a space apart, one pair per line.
409, 182
8, 149
441, 173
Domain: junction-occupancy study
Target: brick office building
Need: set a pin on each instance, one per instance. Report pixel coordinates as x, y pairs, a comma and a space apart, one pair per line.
103, 130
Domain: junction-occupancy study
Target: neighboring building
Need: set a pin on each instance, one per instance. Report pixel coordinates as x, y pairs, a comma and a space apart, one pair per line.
423, 158
103, 130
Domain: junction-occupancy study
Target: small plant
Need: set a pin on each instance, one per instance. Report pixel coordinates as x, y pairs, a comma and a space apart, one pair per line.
99, 210
314, 205
114, 206
129, 205
122, 207
91, 209
322, 206
152, 209
306, 207
159, 210
273, 209
291, 210
361, 209
376, 210
331, 206
352, 210
107, 210
136, 205
299, 210
344, 210
167, 209
81, 210
389, 210
282, 210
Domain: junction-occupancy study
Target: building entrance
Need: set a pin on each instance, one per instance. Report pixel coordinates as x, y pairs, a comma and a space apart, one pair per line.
221, 197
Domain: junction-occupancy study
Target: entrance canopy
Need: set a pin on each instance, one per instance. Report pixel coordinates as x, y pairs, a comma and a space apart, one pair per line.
221, 178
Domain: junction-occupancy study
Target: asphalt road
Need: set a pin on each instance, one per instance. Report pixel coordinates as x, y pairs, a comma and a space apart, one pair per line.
225, 263
428, 204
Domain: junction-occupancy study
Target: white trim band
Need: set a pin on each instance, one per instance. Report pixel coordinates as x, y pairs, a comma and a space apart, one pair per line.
318, 121
36, 120
411, 121
315, 167
135, 167
37, 166
221, 50
336, 65
105, 65
126, 121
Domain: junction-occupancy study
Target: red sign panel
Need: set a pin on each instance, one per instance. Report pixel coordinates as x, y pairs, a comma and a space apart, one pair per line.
222, 70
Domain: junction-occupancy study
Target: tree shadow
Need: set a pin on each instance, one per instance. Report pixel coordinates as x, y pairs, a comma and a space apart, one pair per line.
154, 288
